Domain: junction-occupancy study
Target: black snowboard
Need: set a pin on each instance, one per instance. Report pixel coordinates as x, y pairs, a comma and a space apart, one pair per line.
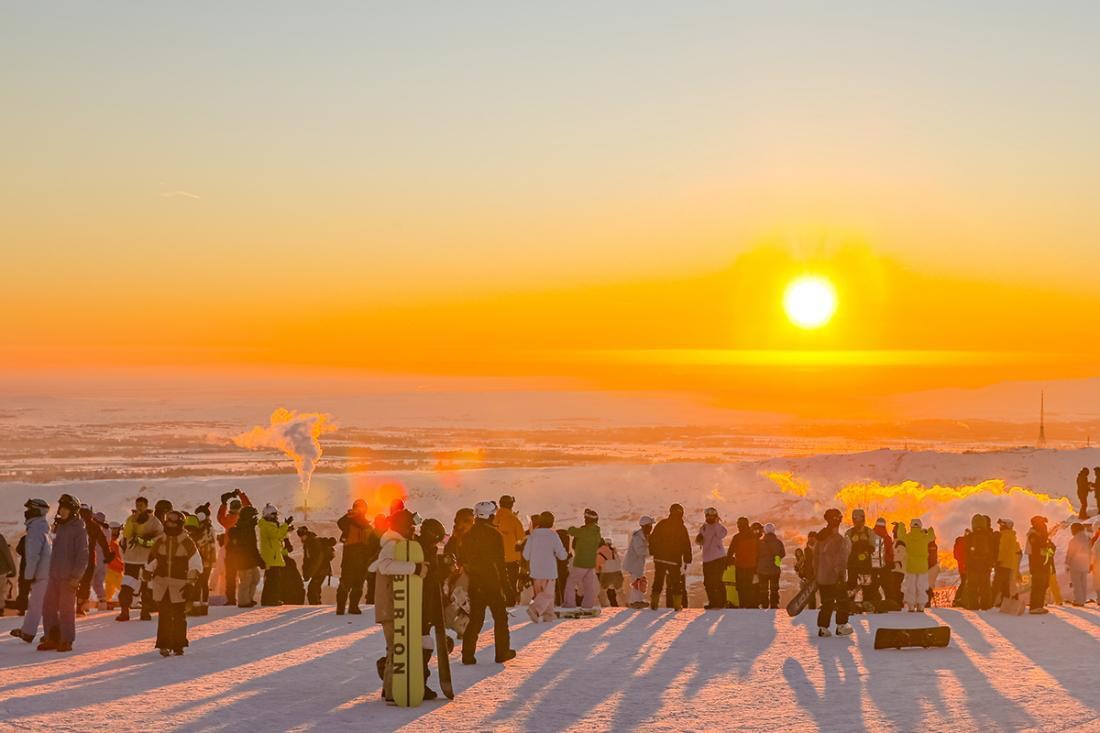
443, 650
802, 598
929, 636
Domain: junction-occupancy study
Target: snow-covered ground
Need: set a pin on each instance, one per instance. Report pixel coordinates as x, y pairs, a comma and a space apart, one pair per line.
305, 669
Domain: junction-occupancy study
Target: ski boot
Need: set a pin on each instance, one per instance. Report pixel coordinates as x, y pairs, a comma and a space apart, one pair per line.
165, 652
510, 654
823, 631
64, 647
18, 634
844, 630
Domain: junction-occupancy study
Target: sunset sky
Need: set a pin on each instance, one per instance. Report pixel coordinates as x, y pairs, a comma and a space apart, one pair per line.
614, 195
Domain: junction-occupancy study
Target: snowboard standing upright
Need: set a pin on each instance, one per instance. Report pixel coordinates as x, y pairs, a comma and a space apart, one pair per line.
443, 650
802, 598
408, 657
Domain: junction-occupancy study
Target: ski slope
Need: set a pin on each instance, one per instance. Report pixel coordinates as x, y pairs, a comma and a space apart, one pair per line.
305, 669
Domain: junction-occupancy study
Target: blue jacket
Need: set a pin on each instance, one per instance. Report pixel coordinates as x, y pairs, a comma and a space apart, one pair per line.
36, 550
69, 558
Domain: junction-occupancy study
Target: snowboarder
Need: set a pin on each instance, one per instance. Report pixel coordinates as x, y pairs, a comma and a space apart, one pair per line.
68, 561
543, 551
1039, 553
228, 514
511, 533
634, 562
173, 567
37, 548
830, 568
768, 562
243, 552
361, 545
804, 565
744, 551
481, 555
1084, 488
671, 548
586, 541
1077, 563
916, 540
272, 534
979, 555
201, 531
859, 562
609, 570
712, 539
138, 535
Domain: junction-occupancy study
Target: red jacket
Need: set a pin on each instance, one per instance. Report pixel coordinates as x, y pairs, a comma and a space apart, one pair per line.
744, 549
229, 519
960, 553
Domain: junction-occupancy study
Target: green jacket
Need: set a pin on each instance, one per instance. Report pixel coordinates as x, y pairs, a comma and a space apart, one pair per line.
272, 535
586, 541
916, 546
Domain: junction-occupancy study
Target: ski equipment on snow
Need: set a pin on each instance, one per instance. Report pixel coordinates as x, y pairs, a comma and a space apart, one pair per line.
802, 598
925, 637
443, 651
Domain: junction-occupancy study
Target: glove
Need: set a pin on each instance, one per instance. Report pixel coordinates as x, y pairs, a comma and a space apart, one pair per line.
289, 521
236, 492
227, 496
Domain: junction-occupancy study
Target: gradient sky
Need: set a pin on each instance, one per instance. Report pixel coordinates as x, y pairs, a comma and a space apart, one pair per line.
513, 189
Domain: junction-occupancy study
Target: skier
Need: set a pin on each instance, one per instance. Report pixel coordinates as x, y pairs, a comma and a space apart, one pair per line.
543, 550
980, 553
228, 514
272, 533
243, 552
1008, 560
712, 539
586, 541
1084, 488
916, 541
173, 567
201, 531
830, 567
1038, 560
1077, 563
138, 535
771, 555
859, 562
68, 561
511, 533
882, 560
634, 563
609, 570
113, 579
361, 544
671, 548
37, 548
744, 550
482, 558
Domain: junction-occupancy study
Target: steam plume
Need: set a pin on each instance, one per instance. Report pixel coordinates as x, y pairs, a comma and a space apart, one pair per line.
296, 434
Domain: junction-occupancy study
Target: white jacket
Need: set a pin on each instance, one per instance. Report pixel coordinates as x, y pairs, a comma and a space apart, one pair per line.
636, 553
37, 549
387, 562
543, 550
1078, 556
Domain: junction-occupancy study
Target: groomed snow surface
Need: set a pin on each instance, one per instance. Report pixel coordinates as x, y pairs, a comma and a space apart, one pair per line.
306, 669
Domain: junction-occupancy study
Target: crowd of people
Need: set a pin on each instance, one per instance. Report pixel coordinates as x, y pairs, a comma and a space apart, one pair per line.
168, 562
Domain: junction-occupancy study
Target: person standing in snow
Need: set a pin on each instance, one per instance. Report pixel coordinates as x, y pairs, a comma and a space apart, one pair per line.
1038, 559
882, 560
768, 566
139, 534
609, 570
1078, 559
859, 562
113, 579
671, 548
68, 561
1008, 560
201, 531
97, 552
511, 533
242, 551
173, 567
1084, 488
228, 514
744, 551
804, 565
711, 538
634, 562
897, 572
916, 540
481, 555
980, 554
272, 533
586, 541
8, 571
37, 548
543, 550
958, 551
361, 545
830, 570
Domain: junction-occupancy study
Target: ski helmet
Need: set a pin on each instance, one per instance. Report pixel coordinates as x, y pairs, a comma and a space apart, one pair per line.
590, 514
40, 505
270, 510
646, 520
485, 509
432, 531
70, 502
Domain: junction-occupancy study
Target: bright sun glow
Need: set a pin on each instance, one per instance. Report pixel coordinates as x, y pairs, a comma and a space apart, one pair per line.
810, 301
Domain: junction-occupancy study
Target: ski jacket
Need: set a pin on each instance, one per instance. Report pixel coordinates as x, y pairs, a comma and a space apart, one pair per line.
980, 546
882, 549
669, 542
1039, 549
859, 560
608, 560
511, 533
356, 529
240, 545
1083, 485
385, 566
116, 564
636, 552
37, 549
174, 561
69, 556
831, 556
712, 538
96, 539
586, 540
901, 558
1008, 550
771, 552
745, 550
916, 545
139, 533
543, 550
272, 535
7, 562
228, 518
1078, 557
207, 545
959, 551
481, 555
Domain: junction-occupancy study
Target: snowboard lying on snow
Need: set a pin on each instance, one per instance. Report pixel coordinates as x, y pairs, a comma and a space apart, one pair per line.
577, 612
925, 637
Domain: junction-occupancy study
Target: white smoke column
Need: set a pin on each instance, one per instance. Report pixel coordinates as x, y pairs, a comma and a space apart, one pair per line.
297, 435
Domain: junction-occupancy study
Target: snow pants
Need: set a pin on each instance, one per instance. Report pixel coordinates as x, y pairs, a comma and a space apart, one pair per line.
246, 592
833, 598
589, 582
712, 581
662, 571
131, 584
1040, 580
1080, 581
769, 591
746, 588
979, 593
1002, 578
231, 580
543, 601
59, 611
511, 583
34, 607
272, 591
112, 583
171, 625
916, 590
493, 600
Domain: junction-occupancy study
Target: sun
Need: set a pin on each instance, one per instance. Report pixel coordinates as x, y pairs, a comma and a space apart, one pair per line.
810, 301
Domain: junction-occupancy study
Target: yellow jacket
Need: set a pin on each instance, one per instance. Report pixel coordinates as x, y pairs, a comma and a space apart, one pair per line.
511, 531
272, 535
1008, 553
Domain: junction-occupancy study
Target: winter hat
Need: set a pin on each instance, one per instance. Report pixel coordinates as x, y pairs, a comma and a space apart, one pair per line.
880, 522
831, 515
359, 504
100, 518
1005, 522
303, 531
1037, 520
590, 514
69, 502
858, 514
270, 510
676, 509
645, 521
203, 511
916, 523
115, 525
769, 528
432, 531
507, 501
710, 512
402, 522
485, 509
